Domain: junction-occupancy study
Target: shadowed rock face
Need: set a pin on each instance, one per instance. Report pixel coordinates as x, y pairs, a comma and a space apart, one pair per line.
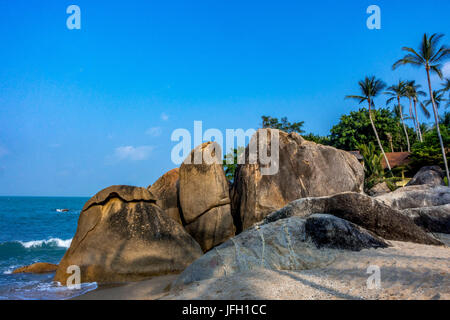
433, 175
213, 227
123, 235
327, 231
287, 244
306, 169
165, 189
204, 197
37, 268
432, 219
417, 197
362, 210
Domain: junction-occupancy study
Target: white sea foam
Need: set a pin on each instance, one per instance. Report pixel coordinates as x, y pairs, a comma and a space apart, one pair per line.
56, 242
10, 270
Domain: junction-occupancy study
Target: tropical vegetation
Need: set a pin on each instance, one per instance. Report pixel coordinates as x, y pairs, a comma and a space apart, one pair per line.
373, 131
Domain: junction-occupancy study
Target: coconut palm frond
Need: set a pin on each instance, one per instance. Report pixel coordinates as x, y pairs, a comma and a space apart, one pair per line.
425, 110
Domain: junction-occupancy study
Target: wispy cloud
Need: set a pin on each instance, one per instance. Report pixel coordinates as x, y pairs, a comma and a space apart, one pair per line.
164, 117
154, 132
446, 70
133, 153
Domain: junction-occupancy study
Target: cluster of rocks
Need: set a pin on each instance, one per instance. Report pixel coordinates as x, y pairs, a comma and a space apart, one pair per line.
192, 220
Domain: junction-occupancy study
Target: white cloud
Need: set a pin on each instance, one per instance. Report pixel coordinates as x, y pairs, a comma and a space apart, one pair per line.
154, 132
133, 153
164, 117
446, 70
3, 151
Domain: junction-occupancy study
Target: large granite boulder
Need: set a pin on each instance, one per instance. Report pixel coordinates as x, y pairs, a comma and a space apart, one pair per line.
305, 169
432, 219
362, 210
37, 268
379, 189
433, 175
122, 235
204, 196
417, 197
288, 244
165, 189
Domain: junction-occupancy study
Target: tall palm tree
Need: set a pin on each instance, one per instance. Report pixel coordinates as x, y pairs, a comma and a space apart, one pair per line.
398, 91
371, 87
413, 93
429, 56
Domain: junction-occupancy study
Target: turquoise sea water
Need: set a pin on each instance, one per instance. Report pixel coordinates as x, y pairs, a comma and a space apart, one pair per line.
32, 230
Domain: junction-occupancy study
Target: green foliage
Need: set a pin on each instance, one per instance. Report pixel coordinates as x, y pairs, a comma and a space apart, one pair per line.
445, 120
283, 124
373, 168
355, 129
230, 168
325, 140
428, 152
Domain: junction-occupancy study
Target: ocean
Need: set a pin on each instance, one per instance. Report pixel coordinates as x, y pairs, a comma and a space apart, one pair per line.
32, 230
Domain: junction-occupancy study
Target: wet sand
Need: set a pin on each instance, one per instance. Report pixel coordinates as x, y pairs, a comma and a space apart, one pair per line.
151, 289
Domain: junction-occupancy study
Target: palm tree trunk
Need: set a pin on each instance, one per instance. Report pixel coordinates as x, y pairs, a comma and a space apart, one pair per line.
376, 135
413, 118
419, 131
390, 141
403, 123
436, 118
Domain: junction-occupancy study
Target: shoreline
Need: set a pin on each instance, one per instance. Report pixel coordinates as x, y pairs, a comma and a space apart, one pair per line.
150, 289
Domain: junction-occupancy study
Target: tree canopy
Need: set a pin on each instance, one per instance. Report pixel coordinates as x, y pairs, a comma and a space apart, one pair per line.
283, 124
355, 129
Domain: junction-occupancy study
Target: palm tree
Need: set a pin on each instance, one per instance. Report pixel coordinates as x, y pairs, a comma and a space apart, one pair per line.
371, 87
397, 92
430, 57
438, 97
413, 93
446, 88
398, 114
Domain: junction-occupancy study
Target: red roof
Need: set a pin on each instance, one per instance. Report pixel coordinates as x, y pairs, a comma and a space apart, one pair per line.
396, 159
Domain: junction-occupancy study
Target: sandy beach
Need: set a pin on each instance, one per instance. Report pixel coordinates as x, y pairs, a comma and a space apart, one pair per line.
408, 271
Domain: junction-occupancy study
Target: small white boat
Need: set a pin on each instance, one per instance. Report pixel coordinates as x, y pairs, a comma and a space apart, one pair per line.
62, 210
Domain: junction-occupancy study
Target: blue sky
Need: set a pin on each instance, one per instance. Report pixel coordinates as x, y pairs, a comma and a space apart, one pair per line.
84, 109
